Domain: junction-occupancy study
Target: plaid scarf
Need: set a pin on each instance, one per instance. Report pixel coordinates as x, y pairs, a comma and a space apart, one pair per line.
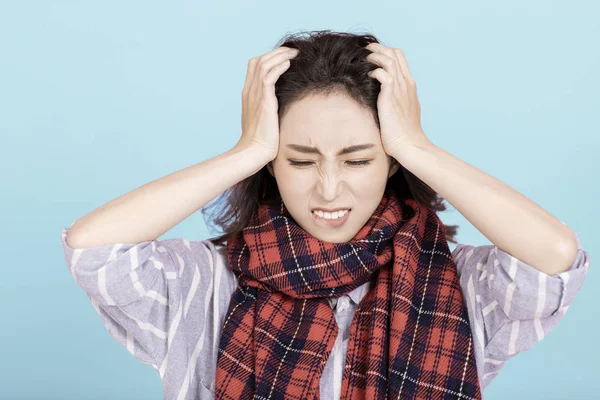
410, 336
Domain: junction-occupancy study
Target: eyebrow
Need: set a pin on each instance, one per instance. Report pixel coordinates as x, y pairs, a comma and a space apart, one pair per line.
345, 150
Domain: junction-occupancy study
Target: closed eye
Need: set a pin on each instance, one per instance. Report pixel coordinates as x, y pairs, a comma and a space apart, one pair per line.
353, 163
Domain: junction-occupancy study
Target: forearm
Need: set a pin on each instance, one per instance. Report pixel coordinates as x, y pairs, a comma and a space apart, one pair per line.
154, 208
507, 218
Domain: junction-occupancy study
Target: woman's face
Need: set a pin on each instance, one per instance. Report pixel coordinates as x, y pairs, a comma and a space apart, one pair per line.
321, 178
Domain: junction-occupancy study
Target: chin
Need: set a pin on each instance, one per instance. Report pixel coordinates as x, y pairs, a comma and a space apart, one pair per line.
335, 237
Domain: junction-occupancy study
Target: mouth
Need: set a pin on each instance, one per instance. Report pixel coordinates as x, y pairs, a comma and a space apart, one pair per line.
335, 219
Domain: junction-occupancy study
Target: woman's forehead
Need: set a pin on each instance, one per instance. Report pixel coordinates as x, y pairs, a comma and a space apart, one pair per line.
334, 110
329, 123
329, 139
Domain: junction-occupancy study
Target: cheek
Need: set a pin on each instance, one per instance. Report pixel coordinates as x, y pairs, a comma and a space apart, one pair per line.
370, 179
291, 182
368, 187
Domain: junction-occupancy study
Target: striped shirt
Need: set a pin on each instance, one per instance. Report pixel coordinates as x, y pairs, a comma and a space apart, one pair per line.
165, 302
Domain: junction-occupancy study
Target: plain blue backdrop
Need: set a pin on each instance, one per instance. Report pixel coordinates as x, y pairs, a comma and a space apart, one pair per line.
101, 97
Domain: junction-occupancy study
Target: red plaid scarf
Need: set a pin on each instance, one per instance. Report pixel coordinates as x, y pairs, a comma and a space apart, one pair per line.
410, 336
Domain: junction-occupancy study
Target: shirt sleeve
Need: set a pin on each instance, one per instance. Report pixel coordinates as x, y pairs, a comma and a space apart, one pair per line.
513, 305
144, 291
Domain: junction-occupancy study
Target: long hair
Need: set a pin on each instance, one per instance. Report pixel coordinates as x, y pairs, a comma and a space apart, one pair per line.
328, 62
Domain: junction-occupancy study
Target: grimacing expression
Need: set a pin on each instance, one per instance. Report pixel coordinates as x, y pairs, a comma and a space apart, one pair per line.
324, 178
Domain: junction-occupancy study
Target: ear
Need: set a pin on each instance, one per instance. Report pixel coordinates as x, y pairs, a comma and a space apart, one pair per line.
394, 167
270, 169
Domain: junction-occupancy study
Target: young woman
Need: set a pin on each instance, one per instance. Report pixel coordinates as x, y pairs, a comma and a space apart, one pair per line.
333, 277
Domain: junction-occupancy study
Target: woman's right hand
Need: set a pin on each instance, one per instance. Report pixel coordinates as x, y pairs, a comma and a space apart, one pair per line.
260, 121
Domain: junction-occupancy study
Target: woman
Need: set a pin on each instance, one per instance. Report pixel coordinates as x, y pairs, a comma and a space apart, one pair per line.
333, 277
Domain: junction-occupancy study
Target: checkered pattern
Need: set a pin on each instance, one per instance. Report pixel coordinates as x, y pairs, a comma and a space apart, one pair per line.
410, 336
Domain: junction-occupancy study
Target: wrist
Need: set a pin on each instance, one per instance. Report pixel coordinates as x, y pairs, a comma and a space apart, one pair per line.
409, 151
253, 152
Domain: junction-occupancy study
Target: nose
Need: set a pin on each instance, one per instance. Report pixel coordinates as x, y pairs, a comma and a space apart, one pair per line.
330, 181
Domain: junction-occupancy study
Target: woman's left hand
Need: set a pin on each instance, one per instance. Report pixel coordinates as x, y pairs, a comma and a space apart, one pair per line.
398, 106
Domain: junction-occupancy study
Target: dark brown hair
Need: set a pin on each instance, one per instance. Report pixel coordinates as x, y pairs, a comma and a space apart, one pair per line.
328, 62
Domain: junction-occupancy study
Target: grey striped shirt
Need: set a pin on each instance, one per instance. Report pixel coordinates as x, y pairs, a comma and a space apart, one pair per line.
165, 302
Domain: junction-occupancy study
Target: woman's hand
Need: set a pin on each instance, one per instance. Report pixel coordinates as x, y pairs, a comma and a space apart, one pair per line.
398, 106
260, 121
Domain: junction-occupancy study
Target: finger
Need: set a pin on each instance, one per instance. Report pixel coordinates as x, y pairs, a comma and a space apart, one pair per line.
276, 72
264, 65
278, 51
404, 65
391, 65
253, 62
378, 48
381, 75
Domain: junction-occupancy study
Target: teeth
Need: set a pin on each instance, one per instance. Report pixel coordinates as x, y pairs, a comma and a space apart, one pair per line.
333, 215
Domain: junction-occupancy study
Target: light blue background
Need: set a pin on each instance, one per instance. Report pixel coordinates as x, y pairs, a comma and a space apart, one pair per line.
101, 97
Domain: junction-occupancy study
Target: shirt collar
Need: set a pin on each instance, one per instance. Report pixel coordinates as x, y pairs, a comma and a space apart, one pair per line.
357, 294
